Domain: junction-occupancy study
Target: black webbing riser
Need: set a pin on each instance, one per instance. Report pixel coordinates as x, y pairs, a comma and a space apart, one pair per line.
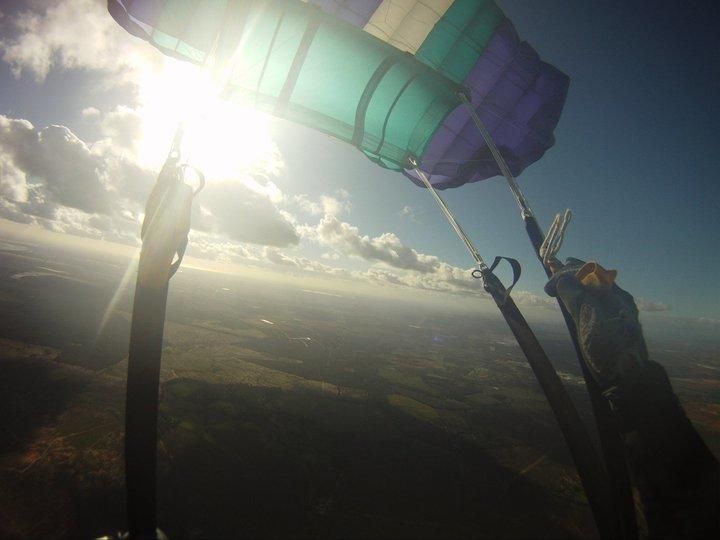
141, 409
581, 447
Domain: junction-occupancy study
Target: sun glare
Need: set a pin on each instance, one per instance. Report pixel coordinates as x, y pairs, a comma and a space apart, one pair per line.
226, 141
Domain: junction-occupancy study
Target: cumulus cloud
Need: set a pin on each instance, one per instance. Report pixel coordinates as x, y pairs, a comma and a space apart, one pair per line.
326, 205
650, 305
386, 248
245, 215
450, 279
57, 168
123, 125
13, 185
112, 228
401, 266
274, 256
526, 298
71, 34
207, 246
90, 112
53, 178
332, 206
409, 213
304, 203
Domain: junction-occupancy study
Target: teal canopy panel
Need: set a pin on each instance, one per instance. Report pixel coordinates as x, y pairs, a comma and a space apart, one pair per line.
295, 61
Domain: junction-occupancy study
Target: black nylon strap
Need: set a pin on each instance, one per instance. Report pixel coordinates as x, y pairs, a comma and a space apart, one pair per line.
514, 264
584, 454
141, 409
492, 283
144, 360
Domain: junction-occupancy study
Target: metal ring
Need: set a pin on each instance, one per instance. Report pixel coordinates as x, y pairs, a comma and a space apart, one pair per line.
477, 273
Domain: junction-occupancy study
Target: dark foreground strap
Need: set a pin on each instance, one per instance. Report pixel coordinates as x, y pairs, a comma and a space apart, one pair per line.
141, 409
588, 464
164, 236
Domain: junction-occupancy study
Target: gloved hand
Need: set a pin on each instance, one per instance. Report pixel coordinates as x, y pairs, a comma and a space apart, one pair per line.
606, 318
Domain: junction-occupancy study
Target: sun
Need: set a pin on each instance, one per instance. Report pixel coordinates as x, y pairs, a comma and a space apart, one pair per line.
227, 141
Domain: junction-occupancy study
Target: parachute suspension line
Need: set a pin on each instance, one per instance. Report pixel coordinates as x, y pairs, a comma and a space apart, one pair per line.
512, 182
482, 266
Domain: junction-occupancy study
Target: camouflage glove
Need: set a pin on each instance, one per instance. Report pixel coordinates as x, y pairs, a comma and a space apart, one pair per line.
606, 319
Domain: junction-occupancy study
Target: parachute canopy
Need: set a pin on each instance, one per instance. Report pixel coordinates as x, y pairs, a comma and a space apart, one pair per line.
517, 96
385, 75
297, 62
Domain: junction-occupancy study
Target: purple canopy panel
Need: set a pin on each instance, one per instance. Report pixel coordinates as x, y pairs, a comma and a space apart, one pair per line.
452, 152
356, 12
133, 15
549, 90
148, 11
150, 19
519, 99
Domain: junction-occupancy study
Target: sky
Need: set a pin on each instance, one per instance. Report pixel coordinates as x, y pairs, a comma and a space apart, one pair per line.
87, 113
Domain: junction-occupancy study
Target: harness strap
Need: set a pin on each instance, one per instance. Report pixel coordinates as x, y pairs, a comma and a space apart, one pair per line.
165, 237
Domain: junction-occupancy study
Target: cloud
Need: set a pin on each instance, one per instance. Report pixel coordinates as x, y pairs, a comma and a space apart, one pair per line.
90, 112
274, 256
409, 213
123, 125
13, 184
73, 34
305, 204
386, 248
9, 210
244, 215
50, 168
453, 280
207, 246
113, 228
332, 206
409, 268
57, 166
526, 298
53, 178
650, 305
327, 204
